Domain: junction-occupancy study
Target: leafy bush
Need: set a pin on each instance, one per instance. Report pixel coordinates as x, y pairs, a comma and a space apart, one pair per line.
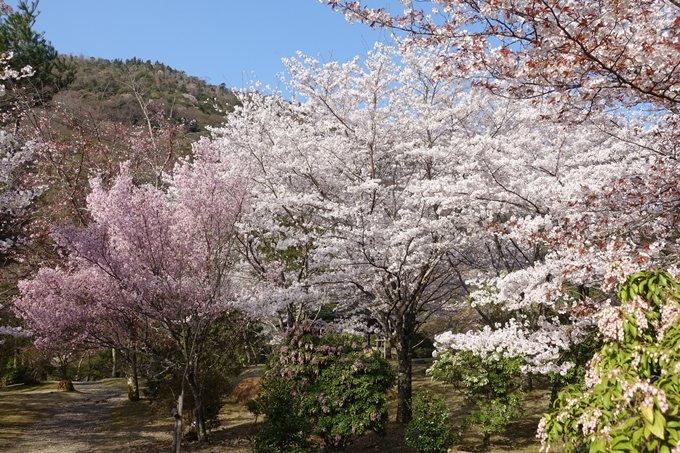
32, 368
429, 431
13, 374
328, 385
580, 355
631, 398
491, 383
286, 428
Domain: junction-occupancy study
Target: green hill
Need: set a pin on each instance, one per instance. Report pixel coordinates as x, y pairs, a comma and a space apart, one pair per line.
112, 90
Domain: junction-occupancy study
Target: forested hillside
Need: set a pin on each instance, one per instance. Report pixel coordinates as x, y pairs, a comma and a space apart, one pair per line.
113, 90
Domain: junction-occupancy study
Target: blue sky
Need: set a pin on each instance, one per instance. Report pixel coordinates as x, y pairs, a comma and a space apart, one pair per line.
219, 40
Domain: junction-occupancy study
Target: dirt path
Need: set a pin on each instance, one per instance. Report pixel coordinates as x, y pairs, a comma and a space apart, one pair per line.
73, 422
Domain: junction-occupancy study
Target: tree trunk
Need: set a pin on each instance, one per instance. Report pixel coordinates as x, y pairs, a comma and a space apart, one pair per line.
133, 381
177, 413
486, 440
404, 338
80, 362
199, 410
113, 359
63, 366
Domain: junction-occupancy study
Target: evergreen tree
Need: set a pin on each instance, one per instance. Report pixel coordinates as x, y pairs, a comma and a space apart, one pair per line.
28, 47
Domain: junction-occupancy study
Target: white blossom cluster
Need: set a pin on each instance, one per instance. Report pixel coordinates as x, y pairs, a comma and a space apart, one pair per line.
540, 348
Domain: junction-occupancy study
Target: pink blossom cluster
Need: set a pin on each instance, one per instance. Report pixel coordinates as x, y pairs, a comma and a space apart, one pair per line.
649, 392
638, 308
592, 377
670, 313
610, 324
154, 264
589, 421
542, 435
617, 270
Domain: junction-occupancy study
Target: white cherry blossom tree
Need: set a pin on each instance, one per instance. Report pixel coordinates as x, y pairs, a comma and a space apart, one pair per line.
15, 193
583, 59
383, 188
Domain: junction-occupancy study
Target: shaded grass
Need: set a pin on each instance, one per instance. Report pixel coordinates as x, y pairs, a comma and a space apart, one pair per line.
520, 435
22, 406
128, 414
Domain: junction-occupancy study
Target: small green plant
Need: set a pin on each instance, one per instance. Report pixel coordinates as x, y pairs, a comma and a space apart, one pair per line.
13, 374
285, 428
327, 385
429, 431
491, 383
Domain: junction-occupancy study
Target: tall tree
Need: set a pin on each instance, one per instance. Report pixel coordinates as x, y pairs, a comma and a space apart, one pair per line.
362, 176
17, 190
353, 180
384, 188
581, 61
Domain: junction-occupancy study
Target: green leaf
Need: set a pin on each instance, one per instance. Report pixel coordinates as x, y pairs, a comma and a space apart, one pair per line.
657, 428
597, 446
636, 436
622, 443
648, 414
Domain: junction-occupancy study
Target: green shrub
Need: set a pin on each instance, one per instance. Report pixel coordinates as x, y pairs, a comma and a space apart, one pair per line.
491, 383
328, 385
162, 394
13, 374
429, 431
630, 401
286, 428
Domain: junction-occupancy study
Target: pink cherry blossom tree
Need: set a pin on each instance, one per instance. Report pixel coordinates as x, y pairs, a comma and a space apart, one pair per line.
151, 273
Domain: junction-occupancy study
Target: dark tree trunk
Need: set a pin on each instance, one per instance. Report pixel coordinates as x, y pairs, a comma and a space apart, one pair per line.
404, 338
486, 440
63, 367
